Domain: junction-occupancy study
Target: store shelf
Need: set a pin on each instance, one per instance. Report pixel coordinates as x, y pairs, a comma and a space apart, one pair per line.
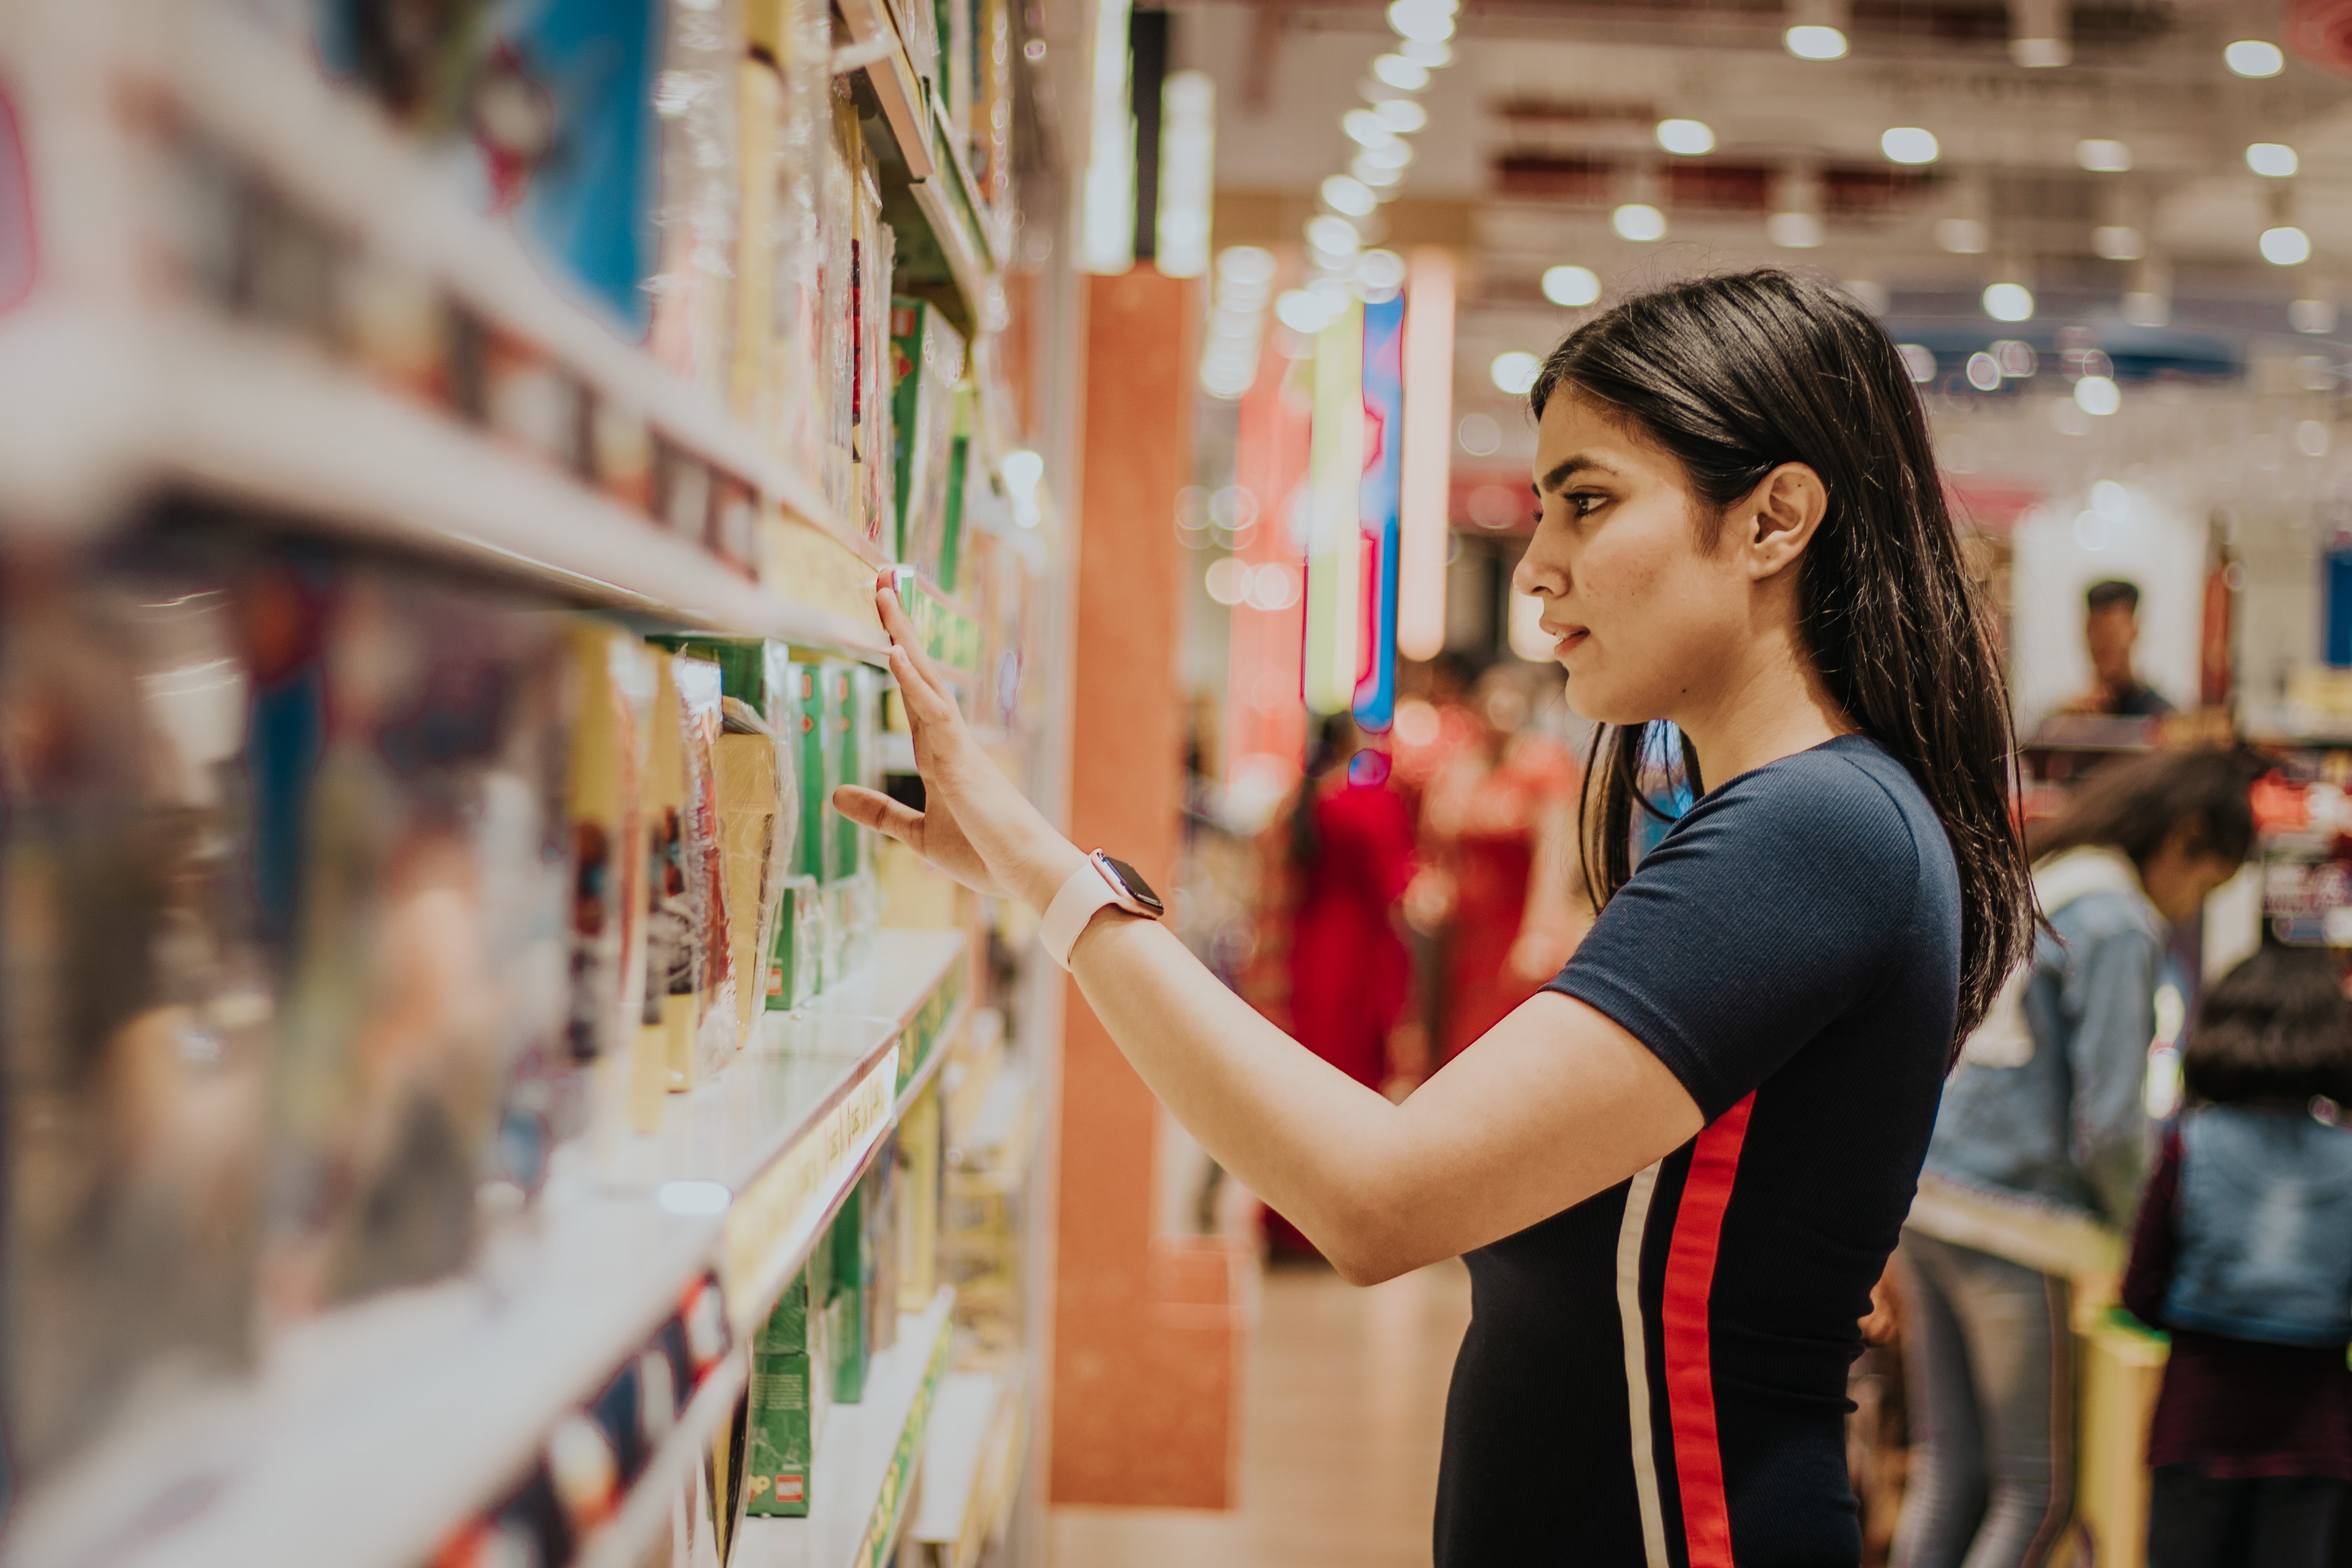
969, 1461
901, 93
375, 1430
182, 399
645, 1515
867, 1459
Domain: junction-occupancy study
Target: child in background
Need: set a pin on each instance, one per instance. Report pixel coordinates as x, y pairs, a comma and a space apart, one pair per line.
2243, 1250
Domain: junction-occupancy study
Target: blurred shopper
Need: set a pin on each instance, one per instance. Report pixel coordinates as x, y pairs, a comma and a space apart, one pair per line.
2243, 1250
1348, 857
2043, 1137
2111, 633
1487, 811
1676, 1170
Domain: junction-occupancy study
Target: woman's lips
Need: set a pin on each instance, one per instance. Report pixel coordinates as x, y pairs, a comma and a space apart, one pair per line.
1568, 639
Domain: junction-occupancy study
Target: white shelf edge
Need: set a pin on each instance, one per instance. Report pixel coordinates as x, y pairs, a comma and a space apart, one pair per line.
965, 1414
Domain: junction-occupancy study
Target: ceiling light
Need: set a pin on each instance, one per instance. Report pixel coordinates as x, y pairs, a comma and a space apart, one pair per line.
1402, 115
1687, 137
2036, 54
1570, 286
1392, 154
2272, 160
1515, 373
1424, 21
1343, 194
1814, 43
2254, 58
1427, 52
1380, 269
1247, 266
2312, 315
1793, 231
1984, 372
2037, 33
1638, 221
1378, 176
1333, 236
1919, 360
2117, 242
1961, 235
1363, 125
2016, 359
2146, 307
2009, 302
1401, 73
2102, 156
1301, 311
2286, 246
2098, 394
1909, 144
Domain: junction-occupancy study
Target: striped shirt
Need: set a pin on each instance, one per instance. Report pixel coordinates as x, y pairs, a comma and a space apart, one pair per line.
1656, 1376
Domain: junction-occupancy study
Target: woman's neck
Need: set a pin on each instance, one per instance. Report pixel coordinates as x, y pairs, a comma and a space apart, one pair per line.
1773, 705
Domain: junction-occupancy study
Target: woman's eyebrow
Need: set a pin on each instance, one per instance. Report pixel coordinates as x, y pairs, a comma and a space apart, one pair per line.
1562, 471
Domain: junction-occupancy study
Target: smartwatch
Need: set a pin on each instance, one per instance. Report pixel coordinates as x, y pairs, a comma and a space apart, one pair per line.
1103, 882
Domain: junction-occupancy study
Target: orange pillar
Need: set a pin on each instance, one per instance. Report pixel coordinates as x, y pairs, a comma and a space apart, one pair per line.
1145, 1338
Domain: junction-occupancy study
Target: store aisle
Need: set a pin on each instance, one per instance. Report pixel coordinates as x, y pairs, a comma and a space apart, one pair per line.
1347, 1400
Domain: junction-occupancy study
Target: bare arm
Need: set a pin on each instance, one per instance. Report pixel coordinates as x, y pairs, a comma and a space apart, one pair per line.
1556, 1103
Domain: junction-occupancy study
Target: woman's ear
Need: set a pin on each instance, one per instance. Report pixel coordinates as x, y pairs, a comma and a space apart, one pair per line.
1779, 517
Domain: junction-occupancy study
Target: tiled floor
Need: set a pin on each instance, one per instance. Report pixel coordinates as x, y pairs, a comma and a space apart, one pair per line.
1347, 1399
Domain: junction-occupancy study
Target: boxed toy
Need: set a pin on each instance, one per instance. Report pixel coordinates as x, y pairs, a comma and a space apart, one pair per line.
926, 361
781, 1422
711, 1038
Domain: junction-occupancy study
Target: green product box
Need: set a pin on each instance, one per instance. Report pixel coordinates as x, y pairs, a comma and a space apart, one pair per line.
795, 966
960, 460
819, 770
779, 1427
848, 1346
852, 697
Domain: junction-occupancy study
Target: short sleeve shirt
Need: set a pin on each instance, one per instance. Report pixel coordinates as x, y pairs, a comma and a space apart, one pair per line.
1656, 1376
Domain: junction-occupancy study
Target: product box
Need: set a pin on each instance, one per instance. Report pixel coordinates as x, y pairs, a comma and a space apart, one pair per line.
136, 970
926, 361
848, 1346
748, 809
615, 682
853, 703
780, 1427
693, 283
920, 1163
820, 771
961, 480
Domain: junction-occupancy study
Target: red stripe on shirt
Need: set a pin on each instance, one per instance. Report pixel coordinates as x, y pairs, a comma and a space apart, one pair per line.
1682, 1317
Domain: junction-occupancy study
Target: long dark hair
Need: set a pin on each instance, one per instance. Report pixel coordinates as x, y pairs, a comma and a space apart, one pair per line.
1736, 376
2134, 806
2276, 1027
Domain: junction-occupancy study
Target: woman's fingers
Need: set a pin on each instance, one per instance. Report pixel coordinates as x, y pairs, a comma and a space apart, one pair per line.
872, 808
903, 638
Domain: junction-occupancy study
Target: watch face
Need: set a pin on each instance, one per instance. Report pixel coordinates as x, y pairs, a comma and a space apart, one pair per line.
1137, 888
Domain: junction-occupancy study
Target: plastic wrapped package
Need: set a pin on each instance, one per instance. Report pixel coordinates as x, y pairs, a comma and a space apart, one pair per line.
843, 156
785, 108
877, 452
135, 1001
926, 363
711, 1042
992, 127
414, 742
673, 914
693, 284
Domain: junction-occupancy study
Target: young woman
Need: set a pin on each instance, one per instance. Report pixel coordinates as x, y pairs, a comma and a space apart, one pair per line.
2039, 1145
1677, 1170
2243, 1250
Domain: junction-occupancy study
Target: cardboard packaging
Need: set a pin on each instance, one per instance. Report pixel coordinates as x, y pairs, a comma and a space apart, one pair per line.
781, 1424
927, 359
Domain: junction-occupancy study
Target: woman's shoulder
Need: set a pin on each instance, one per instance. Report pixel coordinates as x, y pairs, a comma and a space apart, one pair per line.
1842, 793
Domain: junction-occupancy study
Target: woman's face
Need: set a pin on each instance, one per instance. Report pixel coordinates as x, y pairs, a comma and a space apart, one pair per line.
1643, 615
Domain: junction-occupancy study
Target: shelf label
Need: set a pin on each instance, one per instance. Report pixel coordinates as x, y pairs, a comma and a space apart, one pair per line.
771, 1224
882, 1530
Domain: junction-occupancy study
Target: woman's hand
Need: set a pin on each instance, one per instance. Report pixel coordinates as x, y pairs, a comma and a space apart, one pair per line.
974, 825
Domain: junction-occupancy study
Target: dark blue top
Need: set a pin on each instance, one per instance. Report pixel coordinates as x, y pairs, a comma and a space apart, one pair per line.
1790, 951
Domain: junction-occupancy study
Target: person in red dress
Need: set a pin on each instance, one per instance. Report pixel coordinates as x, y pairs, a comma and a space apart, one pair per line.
1345, 850
1493, 813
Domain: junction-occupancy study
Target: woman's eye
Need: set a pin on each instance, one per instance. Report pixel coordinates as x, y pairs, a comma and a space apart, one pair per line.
1584, 503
